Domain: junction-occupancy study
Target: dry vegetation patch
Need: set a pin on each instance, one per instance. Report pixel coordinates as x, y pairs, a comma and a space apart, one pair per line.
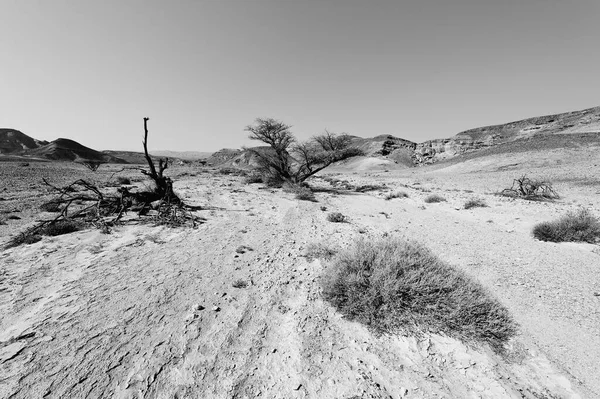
475, 203
398, 286
434, 198
580, 226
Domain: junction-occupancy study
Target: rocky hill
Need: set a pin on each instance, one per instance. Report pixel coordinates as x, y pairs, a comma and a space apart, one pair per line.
406, 153
13, 141
577, 122
69, 150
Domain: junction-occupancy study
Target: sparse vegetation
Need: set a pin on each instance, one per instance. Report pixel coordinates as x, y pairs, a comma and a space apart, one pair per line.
319, 251
398, 286
397, 194
530, 189
243, 249
239, 284
475, 203
337, 217
52, 206
434, 198
580, 226
290, 161
369, 187
60, 227
122, 180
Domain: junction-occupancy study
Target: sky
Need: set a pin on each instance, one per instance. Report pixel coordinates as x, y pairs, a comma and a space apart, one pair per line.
203, 70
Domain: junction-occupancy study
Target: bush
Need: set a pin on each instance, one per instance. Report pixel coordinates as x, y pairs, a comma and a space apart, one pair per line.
239, 284
475, 203
336, 217
123, 180
434, 198
306, 194
253, 178
399, 194
50, 206
530, 189
579, 226
60, 227
319, 251
398, 286
369, 187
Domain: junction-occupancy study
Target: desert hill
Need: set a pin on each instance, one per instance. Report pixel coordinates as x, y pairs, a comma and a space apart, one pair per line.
13, 141
390, 151
69, 150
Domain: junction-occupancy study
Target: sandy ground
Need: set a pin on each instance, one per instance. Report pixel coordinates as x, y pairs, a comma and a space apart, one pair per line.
151, 312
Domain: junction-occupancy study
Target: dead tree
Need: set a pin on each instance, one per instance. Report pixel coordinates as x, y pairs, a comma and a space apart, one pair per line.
92, 165
164, 185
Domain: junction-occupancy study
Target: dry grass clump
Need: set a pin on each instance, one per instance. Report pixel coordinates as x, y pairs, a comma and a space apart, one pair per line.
239, 284
434, 198
57, 228
123, 180
369, 187
305, 194
319, 251
52, 206
579, 226
397, 286
398, 194
337, 217
475, 203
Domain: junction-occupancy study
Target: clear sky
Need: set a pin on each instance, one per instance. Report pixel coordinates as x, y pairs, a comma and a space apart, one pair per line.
203, 70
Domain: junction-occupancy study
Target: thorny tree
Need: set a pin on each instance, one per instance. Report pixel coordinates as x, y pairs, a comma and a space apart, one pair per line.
288, 160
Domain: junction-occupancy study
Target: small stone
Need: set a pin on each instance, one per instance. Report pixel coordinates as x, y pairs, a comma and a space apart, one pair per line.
298, 387
199, 307
216, 309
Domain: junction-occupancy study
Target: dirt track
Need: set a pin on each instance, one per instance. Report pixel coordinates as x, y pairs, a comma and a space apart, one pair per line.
151, 312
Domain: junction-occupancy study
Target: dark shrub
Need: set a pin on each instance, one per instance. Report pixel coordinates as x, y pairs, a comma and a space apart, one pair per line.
336, 217
574, 226
475, 203
398, 286
433, 198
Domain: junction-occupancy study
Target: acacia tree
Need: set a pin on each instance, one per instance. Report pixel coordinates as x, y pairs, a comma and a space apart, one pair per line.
287, 159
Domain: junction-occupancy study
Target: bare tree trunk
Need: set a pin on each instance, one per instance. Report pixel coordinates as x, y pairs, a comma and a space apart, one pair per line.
164, 185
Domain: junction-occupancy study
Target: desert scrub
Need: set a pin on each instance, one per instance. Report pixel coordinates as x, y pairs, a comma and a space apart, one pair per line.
319, 251
398, 286
398, 194
52, 206
239, 284
433, 198
475, 203
56, 228
336, 217
574, 226
305, 194
123, 180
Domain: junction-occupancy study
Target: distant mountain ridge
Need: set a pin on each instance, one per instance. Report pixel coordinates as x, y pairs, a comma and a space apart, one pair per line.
16, 143
387, 148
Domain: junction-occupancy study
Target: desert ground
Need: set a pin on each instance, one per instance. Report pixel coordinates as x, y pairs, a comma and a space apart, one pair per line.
152, 312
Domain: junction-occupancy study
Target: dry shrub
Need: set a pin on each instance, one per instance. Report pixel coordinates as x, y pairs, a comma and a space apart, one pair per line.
579, 226
123, 180
239, 284
475, 203
337, 217
399, 194
398, 286
369, 187
319, 251
530, 189
434, 198
52, 206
